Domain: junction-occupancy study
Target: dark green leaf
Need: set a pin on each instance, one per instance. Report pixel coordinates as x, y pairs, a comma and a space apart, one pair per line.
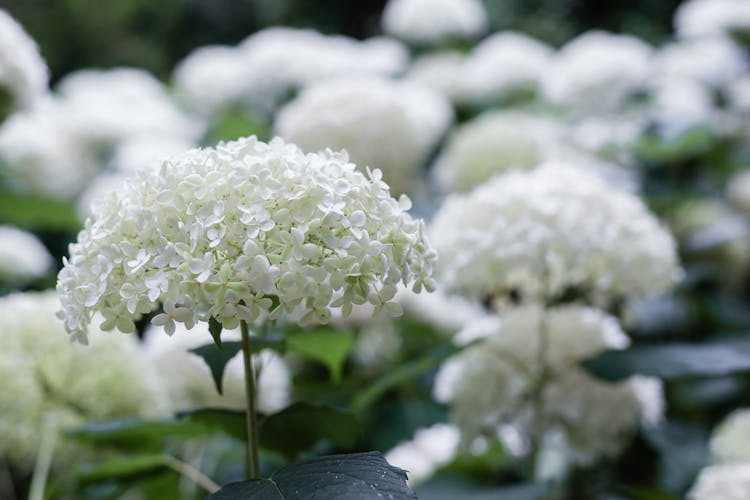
674, 360
326, 345
214, 328
230, 422
683, 451
298, 427
362, 476
217, 359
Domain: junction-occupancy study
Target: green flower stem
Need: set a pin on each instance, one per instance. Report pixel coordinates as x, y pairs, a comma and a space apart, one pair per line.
44, 459
251, 421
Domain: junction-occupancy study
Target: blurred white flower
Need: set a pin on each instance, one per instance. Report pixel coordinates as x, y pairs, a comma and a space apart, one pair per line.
381, 123
598, 71
730, 441
711, 61
609, 137
274, 62
677, 104
447, 313
738, 191
696, 18
442, 71
40, 153
431, 448
504, 65
550, 231
23, 72
531, 357
722, 482
495, 142
188, 379
108, 106
45, 376
22, 256
738, 94
216, 232
432, 22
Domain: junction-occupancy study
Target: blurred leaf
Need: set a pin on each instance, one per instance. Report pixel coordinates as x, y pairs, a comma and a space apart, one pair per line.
33, 213
359, 475
723, 231
391, 422
675, 360
139, 434
326, 345
217, 358
683, 451
454, 487
298, 427
689, 144
646, 493
404, 373
215, 328
120, 467
235, 122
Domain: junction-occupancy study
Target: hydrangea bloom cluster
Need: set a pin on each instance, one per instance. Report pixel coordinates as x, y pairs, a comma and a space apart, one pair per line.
273, 62
244, 231
722, 482
442, 71
709, 61
22, 256
46, 379
731, 439
188, 380
504, 65
549, 397
431, 448
495, 142
431, 22
597, 70
23, 72
363, 115
697, 18
550, 231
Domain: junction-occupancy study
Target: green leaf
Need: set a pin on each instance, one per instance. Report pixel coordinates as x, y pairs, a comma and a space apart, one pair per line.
404, 373
119, 468
33, 213
364, 476
214, 328
674, 360
138, 434
683, 452
300, 426
326, 345
217, 358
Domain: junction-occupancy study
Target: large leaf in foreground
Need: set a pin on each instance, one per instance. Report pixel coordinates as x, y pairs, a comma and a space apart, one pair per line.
674, 360
363, 476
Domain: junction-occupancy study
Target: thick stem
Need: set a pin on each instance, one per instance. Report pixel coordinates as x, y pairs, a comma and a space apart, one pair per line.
251, 422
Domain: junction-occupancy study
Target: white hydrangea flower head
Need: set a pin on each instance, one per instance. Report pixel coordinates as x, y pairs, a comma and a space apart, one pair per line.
146, 151
593, 416
378, 344
384, 124
504, 65
244, 231
493, 143
609, 137
678, 104
697, 18
211, 77
550, 231
722, 482
433, 22
738, 190
737, 92
730, 441
597, 70
431, 448
188, 378
40, 154
23, 72
712, 61
49, 376
442, 71
268, 65
22, 256
110, 106
447, 313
